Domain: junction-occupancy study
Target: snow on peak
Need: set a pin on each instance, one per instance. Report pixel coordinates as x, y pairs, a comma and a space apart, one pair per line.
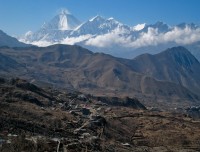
139, 27
160, 26
63, 21
111, 18
103, 20
190, 25
96, 18
64, 12
29, 33
100, 32
67, 22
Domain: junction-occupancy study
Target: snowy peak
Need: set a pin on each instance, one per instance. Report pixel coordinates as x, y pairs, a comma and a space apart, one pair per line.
97, 18
98, 26
102, 20
64, 12
63, 21
139, 27
185, 25
160, 26
110, 36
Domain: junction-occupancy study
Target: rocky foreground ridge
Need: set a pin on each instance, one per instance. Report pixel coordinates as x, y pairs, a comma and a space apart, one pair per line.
44, 119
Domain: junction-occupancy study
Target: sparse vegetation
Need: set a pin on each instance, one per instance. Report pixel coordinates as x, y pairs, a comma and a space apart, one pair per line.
127, 126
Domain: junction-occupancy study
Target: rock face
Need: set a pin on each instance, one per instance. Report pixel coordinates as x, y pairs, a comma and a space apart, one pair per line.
168, 76
175, 65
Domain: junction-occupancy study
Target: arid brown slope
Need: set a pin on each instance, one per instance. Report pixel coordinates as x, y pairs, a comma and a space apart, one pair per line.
35, 119
176, 65
74, 67
152, 131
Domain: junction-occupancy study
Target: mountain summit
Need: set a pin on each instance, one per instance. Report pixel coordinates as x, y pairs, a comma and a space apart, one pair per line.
53, 31
175, 64
98, 26
63, 21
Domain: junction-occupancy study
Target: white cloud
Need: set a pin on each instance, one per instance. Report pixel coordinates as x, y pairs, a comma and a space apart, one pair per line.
43, 43
139, 27
117, 37
183, 36
107, 40
150, 38
123, 38
69, 41
74, 40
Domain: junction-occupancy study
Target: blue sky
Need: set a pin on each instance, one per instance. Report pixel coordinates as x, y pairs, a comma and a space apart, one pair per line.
19, 16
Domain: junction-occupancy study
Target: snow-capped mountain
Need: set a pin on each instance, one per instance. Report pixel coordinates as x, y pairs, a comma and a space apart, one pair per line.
160, 26
53, 31
111, 36
62, 21
98, 26
185, 25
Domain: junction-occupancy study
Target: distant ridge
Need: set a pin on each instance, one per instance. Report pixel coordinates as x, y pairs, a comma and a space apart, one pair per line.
6, 40
176, 64
169, 76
